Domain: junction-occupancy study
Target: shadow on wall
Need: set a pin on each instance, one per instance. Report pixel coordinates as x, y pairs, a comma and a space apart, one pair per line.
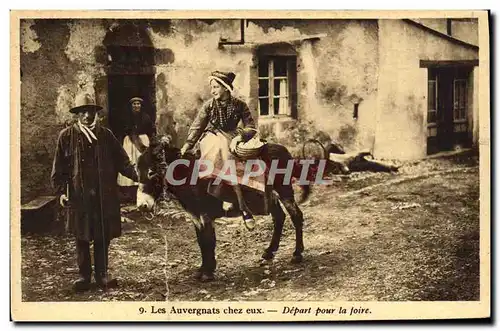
162, 96
165, 121
334, 93
415, 110
184, 118
347, 135
39, 122
341, 105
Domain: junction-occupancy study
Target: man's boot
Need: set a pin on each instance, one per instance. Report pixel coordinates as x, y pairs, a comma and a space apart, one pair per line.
84, 266
82, 284
102, 278
104, 282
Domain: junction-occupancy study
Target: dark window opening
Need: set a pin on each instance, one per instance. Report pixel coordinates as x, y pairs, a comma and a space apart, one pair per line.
356, 111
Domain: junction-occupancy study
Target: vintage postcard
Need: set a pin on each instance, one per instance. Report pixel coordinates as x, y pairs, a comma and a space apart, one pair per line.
250, 165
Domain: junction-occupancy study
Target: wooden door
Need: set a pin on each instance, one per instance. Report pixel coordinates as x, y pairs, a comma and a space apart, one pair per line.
447, 108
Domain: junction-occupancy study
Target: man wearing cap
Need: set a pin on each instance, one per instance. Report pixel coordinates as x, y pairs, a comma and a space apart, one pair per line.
215, 123
87, 160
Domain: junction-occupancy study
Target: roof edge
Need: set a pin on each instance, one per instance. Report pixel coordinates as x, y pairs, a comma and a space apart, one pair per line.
440, 34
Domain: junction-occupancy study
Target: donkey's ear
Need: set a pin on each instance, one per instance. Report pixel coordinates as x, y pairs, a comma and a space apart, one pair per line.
166, 140
153, 141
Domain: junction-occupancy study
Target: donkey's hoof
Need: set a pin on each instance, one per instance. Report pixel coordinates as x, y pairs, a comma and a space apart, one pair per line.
297, 259
264, 262
198, 274
267, 255
207, 277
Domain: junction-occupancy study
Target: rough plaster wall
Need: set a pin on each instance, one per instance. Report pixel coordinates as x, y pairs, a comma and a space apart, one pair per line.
53, 72
402, 105
438, 24
84, 38
466, 31
272, 31
463, 30
29, 39
346, 70
39, 87
184, 82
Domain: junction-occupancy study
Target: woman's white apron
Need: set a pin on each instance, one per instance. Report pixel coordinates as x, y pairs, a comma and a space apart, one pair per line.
133, 153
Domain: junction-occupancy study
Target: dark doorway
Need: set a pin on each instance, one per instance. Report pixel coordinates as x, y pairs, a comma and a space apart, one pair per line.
131, 73
123, 87
449, 100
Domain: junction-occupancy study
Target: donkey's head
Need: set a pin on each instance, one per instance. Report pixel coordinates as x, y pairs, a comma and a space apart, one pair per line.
151, 168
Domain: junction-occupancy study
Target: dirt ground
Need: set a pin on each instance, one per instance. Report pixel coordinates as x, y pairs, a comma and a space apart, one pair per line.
413, 235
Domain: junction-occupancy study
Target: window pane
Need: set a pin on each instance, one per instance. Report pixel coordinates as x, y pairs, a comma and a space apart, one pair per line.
263, 87
460, 100
460, 127
458, 90
263, 67
459, 94
280, 87
276, 105
264, 106
463, 96
280, 66
281, 106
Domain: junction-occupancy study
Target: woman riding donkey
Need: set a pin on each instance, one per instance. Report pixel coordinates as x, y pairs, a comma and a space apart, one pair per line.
216, 124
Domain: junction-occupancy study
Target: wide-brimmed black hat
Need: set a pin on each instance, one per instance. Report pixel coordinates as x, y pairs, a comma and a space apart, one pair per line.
84, 102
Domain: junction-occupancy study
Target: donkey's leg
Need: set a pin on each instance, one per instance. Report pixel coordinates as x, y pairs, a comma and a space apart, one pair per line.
210, 240
199, 239
206, 240
298, 222
278, 216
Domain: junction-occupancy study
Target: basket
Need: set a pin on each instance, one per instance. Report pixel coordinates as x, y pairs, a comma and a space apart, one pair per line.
250, 149
244, 153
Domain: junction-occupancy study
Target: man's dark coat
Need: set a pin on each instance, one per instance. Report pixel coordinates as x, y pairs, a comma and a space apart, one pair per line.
92, 181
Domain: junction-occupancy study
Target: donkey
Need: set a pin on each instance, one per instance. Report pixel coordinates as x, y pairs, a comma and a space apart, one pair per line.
205, 208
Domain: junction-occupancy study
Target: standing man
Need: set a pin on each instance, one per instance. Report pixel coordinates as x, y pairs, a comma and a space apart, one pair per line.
86, 164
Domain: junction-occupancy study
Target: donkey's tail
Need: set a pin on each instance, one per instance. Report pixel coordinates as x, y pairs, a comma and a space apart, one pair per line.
304, 194
305, 187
